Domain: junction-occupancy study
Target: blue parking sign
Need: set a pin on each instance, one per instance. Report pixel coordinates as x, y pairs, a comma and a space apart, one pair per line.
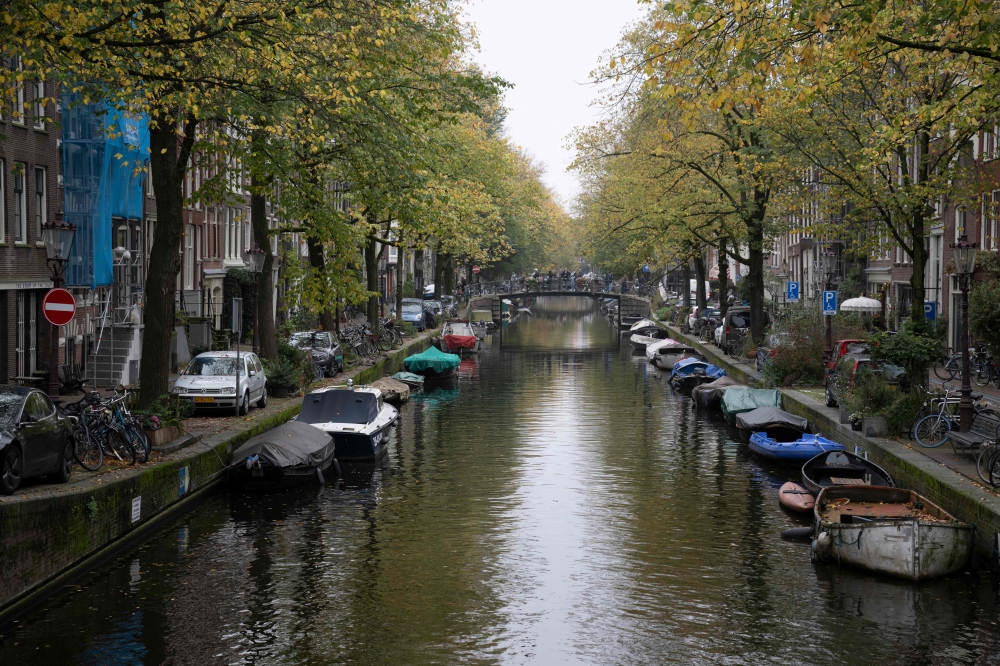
792, 292
930, 310
830, 302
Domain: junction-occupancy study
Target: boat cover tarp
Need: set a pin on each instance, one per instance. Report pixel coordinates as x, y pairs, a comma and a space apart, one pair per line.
739, 400
292, 444
653, 346
690, 366
710, 394
764, 418
339, 406
460, 341
804, 448
408, 378
642, 323
432, 359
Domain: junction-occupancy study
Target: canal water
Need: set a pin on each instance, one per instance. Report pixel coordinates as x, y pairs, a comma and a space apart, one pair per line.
561, 505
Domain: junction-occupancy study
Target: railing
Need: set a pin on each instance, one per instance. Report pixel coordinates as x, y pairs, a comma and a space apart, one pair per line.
557, 284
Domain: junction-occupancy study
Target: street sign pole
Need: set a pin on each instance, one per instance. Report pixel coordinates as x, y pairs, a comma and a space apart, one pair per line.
59, 308
237, 330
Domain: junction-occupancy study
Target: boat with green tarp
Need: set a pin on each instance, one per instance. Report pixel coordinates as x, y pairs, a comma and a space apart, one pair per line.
433, 364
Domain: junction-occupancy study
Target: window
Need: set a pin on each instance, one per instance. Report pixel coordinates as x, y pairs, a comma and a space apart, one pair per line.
990, 148
959, 223
990, 215
149, 182
189, 256
18, 66
20, 205
39, 106
40, 201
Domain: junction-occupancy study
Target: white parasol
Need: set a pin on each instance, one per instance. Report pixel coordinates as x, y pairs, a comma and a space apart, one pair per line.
861, 304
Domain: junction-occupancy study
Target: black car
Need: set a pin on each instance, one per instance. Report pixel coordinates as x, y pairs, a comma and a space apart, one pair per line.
35, 439
736, 326
706, 322
323, 348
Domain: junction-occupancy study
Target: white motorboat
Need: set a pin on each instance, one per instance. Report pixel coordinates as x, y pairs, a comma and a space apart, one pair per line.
357, 418
889, 530
458, 337
665, 356
640, 342
653, 346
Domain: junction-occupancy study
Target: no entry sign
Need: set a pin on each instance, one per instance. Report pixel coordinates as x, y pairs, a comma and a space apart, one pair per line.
475, 269
59, 307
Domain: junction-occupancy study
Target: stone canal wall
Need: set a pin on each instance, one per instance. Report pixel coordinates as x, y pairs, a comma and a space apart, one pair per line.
964, 498
52, 533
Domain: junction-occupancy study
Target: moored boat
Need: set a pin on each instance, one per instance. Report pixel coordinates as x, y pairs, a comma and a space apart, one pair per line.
653, 346
710, 395
690, 372
287, 455
794, 497
357, 418
889, 530
667, 356
842, 468
738, 400
776, 423
803, 448
410, 379
641, 341
433, 364
459, 337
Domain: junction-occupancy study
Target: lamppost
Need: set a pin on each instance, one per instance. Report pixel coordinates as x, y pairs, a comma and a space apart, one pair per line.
256, 256
828, 264
964, 254
58, 239
783, 277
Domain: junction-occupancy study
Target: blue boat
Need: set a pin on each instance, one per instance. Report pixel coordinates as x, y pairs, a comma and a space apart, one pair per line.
799, 450
690, 372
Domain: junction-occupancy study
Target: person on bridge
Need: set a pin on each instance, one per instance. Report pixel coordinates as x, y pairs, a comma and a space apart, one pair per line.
608, 279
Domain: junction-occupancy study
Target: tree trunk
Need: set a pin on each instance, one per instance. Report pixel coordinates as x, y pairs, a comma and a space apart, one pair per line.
686, 287
167, 164
723, 278
265, 288
448, 273
400, 278
318, 262
756, 278
919, 254
371, 279
699, 272
438, 274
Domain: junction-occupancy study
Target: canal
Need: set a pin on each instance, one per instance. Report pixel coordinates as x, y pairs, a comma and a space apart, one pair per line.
562, 505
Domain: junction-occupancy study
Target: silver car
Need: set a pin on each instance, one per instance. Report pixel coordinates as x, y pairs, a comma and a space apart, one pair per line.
210, 381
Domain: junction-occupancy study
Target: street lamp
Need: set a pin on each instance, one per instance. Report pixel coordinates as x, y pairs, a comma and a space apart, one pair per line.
828, 264
964, 254
58, 239
783, 277
256, 256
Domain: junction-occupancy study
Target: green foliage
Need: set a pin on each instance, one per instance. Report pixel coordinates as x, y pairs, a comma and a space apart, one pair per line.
984, 314
168, 409
799, 359
238, 283
743, 290
282, 372
871, 395
199, 349
405, 327
663, 314
915, 347
409, 289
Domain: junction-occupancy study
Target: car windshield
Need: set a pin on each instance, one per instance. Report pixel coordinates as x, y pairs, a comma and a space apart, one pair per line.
212, 366
411, 308
10, 407
314, 340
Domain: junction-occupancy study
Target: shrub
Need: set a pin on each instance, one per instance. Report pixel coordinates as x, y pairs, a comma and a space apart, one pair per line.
405, 327
984, 304
799, 359
282, 372
167, 410
871, 395
915, 348
663, 313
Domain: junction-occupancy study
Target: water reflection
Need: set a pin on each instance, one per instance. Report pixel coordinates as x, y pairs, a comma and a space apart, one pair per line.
560, 504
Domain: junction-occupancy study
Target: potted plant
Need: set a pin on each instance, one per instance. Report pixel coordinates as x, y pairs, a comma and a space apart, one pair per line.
282, 377
165, 418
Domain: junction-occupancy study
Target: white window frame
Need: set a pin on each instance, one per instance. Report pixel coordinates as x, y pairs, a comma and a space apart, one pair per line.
41, 200
17, 117
991, 221
961, 220
189, 257
38, 110
20, 220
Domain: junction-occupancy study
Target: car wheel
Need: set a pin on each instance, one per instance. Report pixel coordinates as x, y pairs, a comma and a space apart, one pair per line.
262, 403
11, 467
830, 402
66, 465
245, 404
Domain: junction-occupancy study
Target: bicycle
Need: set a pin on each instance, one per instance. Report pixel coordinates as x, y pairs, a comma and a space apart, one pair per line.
986, 372
87, 450
988, 463
931, 431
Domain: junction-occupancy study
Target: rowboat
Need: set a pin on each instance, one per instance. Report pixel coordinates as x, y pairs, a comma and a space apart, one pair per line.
665, 357
738, 400
889, 530
794, 497
803, 448
842, 468
433, 364
690, 372
710, 394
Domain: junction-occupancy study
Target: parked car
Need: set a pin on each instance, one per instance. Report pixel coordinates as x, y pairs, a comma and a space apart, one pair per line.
434, 306
450, 305
413, 312
692, 316
706, 321
323, 349
210, 381
841, 378
766, 350
735, 327
35, 439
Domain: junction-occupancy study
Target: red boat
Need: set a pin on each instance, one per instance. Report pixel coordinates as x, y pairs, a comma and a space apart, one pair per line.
459, 338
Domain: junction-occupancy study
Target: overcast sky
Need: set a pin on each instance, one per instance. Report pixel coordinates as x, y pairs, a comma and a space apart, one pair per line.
547, 48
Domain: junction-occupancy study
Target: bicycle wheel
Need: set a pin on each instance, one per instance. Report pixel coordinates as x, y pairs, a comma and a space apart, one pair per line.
384, 342
994, 468
121, 446
944, 369
87, 450
980, 374
995, 377
983, 462
136, 443
931, 431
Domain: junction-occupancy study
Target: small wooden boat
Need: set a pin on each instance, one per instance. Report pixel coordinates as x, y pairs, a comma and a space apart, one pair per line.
710, 395
410, 379
641, 340
736, 401
889, 530
433, 364
665, 357
288, 455
690, 372
358, 420
458, 337
842, 468
794, 497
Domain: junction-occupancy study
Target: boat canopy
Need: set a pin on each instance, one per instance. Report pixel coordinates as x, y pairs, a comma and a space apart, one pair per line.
642, 323
712, 392
739, 400
766, 418
690, 366
339, 406
292, 444
432, 359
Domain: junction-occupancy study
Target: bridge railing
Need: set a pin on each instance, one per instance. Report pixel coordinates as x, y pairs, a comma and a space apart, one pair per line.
557, 284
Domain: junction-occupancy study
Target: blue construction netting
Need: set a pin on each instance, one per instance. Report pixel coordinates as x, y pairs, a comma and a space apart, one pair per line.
105, 153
